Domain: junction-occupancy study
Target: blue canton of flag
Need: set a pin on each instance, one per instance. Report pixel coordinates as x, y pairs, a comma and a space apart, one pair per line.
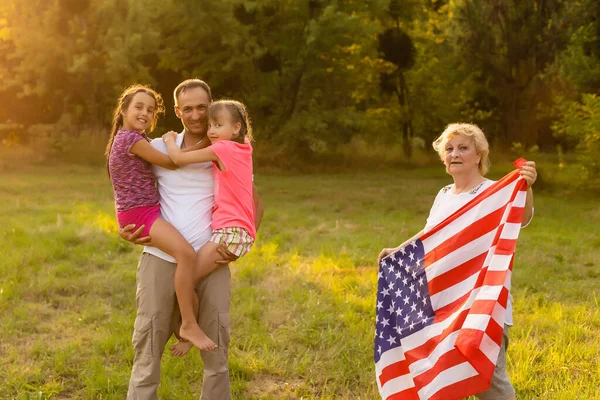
403, 304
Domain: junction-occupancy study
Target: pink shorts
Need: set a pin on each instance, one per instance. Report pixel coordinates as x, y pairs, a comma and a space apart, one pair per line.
139, 216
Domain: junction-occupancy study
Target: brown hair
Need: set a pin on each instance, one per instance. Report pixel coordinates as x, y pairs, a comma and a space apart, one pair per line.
238, 113
122, 105
189, 84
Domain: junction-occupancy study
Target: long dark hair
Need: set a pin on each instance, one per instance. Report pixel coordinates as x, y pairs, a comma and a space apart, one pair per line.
122, 105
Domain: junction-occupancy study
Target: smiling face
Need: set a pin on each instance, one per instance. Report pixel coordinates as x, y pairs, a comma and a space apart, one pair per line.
139, 115
191, 108
221, 126
461, 155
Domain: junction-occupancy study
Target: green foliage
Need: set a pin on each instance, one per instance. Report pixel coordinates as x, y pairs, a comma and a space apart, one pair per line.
314, 74
581, 121
575, 110
506, 46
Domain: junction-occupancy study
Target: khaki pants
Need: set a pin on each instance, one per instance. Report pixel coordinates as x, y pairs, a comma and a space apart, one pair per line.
158, 315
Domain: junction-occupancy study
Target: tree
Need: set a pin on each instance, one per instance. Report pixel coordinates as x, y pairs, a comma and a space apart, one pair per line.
78, 57
396, 47
576, 77
508, 44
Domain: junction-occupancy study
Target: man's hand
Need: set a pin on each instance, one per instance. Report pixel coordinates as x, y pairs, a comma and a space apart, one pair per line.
226, 255
128, 233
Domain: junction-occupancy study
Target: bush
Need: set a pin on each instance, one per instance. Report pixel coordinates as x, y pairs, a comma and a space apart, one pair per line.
581, 121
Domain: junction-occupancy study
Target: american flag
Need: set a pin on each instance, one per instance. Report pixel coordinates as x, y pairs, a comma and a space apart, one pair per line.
441, 300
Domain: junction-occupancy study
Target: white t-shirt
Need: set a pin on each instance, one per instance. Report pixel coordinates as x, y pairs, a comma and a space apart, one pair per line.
186, 200
446, 203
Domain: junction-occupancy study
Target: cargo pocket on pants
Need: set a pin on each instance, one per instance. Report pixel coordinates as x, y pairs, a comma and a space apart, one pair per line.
224, 330
142, 339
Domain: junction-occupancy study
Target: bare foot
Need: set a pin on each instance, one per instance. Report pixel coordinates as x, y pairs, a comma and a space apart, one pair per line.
180, 349
192, 333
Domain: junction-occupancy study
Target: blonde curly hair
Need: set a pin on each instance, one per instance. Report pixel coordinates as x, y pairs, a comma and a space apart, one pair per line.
471, 131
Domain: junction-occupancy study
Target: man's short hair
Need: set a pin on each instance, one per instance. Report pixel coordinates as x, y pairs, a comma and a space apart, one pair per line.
189, 84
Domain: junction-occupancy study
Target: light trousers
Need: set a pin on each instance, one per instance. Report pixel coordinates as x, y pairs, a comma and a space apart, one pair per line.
157, 317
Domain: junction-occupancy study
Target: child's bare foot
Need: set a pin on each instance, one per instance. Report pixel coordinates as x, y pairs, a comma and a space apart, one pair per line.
180, 348
196, 336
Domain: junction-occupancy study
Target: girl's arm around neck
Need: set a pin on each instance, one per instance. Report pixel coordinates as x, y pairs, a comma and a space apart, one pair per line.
145, 151
191, 157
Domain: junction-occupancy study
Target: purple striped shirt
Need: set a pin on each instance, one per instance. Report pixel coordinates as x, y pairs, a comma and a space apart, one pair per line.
132, 179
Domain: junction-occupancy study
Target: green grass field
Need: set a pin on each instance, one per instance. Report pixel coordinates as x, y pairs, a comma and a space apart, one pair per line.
303, 302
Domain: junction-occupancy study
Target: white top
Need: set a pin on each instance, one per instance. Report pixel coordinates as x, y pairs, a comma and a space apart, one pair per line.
186, 199
446, 203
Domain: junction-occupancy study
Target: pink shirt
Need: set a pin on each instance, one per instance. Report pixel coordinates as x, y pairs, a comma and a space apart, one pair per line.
132, 179
234, 205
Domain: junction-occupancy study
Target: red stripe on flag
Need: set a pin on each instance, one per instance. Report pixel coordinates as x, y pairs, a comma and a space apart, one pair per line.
456, 275
408, 394
468, 343
495, 331
515, 215
448, 360
461, 389
506, 246
483, 307
474, 231
393, 370
503, 298
444, 312
494, 278
519, 162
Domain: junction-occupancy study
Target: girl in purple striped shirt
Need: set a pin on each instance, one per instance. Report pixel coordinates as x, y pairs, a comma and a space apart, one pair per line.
129, 158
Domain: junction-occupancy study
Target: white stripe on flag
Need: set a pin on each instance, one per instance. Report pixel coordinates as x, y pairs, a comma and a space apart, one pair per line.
451, 294
476, 321
391, 356
487, 292
396, 385
447, 377
489, 348
459, 256
507, 281
520, 198
500, 262
425, 364
499, 314
510, 231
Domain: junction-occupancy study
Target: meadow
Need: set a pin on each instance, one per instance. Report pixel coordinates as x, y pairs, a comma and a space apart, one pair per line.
303, 301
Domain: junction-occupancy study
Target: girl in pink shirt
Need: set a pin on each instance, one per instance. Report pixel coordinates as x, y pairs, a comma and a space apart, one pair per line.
129, 158
230, 133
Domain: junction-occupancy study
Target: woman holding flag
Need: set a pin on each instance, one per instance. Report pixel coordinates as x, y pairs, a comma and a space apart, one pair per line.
464, 151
